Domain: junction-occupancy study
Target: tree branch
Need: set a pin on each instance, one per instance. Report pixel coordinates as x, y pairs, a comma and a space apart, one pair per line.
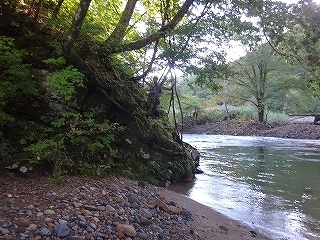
119, 32
155, 36
75, 28
153, 58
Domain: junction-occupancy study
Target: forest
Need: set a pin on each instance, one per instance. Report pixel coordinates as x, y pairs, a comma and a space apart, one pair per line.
75, 77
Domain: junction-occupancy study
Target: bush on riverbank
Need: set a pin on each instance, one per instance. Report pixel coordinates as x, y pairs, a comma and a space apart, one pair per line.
241, 114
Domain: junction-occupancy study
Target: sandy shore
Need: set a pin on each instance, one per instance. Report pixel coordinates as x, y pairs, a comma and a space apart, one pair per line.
212, 225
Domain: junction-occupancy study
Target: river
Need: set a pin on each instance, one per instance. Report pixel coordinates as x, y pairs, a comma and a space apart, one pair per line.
271, 184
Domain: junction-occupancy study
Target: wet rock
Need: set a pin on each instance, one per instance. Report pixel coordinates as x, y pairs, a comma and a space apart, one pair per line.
86, 212
174, 210
4, 209
90, 208
4, 231
134, 205
126, 211
39, 214
109, 208
132, 199
185, 214
253, 233
101, 208
142, 236
144, 221
32, 227
77, 204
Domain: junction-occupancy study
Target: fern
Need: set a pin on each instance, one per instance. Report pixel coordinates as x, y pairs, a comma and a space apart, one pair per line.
60, 61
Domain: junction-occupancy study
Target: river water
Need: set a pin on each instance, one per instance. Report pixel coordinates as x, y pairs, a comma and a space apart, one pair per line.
271, 184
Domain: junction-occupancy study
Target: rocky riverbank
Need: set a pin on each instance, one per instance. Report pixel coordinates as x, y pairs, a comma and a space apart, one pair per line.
297, 129
118, 208
112, 208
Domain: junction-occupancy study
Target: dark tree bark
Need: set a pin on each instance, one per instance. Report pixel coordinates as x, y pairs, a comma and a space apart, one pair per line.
261, 110
37, 11
75, 28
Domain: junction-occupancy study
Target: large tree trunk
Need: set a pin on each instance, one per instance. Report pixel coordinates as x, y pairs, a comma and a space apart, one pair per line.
119, 32
261, 110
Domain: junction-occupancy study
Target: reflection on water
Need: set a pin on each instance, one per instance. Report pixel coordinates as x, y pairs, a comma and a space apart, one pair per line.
270, 183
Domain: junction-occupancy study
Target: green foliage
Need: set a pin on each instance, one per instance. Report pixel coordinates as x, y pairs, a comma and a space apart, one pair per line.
74, 140
63, 82
160, 130
264, 80
248, 113
15, 77
207, 76
158, 168
293, 30
4, 146
79, 142
190, 102
55, 62
277, 117
55, 178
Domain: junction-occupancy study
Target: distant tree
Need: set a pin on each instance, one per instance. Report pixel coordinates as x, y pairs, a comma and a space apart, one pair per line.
264, 80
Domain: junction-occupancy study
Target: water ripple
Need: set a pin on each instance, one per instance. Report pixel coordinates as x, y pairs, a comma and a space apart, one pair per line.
269, 182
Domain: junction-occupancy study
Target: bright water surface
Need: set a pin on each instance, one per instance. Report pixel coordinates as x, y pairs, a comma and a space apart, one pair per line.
272, 184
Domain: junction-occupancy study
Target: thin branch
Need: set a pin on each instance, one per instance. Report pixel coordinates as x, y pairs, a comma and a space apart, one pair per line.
153, 58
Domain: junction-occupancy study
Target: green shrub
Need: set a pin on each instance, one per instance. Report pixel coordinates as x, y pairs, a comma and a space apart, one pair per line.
75, 140
277, 117
63, 82
15, 79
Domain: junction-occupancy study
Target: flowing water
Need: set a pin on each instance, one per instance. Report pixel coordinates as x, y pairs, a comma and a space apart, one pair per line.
271, 184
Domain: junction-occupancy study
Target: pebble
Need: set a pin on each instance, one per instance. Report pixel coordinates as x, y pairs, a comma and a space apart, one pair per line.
45, 232
96, 209
22, 222
224, 228
49, 212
